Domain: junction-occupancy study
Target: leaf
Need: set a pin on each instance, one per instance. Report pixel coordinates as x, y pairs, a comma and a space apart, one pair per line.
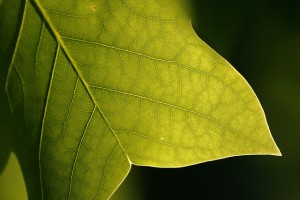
11, 181
8, 30
101, 85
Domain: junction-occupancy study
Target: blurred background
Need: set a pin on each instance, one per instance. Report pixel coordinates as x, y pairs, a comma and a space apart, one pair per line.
261, 39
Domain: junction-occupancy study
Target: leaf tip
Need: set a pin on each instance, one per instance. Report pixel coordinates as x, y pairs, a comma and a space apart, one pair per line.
276, 151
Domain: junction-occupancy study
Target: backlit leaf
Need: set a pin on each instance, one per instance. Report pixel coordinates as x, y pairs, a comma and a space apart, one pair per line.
101, 85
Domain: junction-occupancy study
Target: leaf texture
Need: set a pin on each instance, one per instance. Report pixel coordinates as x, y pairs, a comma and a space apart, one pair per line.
105, 84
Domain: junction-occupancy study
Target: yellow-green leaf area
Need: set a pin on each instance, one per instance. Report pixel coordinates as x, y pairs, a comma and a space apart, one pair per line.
107, 84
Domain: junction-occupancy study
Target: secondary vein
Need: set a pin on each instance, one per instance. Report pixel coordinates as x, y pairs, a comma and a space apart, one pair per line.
78, 149
75, 67
44, 116
15, 53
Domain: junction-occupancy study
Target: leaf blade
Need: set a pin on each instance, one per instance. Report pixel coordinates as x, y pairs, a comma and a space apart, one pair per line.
146, 88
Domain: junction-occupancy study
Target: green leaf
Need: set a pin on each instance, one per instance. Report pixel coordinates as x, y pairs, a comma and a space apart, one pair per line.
101, 85
8, 30
11, 181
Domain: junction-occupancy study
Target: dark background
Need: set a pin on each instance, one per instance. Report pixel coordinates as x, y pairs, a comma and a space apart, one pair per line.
261, 39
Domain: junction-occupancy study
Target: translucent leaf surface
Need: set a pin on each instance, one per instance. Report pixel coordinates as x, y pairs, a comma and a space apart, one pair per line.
101, 85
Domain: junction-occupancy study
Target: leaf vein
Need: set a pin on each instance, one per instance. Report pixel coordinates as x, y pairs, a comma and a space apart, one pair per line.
156, 59
78, 149
177, 107
74, 66
44, 116
102, 180
15, 53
